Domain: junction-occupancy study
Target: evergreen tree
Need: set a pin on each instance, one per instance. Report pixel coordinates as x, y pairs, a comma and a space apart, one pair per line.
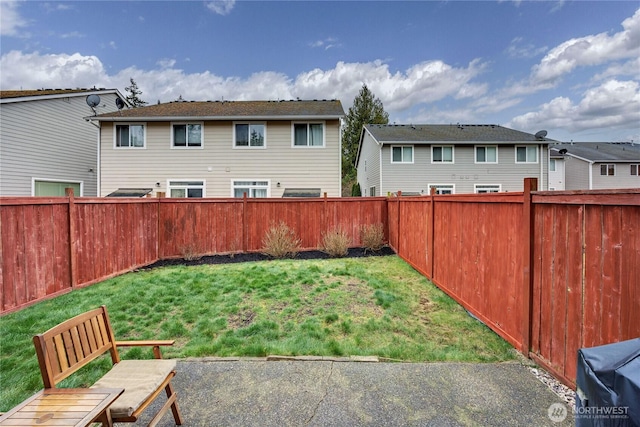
366, 109
134, 94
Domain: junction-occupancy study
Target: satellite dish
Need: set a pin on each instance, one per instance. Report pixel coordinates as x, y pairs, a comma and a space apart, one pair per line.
119, 103
563, 151
541, 134
93, 100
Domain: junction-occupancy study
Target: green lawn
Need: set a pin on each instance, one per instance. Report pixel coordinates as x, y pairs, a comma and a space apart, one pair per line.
349, 306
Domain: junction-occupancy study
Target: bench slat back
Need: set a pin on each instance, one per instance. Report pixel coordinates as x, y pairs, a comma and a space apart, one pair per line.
72, 344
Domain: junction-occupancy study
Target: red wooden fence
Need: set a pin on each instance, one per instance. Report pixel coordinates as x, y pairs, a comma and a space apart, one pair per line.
51, 245
551, 272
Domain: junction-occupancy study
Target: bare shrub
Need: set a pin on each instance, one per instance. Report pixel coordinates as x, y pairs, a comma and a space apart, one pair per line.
191, 252
336, 242
372, 237
280, 241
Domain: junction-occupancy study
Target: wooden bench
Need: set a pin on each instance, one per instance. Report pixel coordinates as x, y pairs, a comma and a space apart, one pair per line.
74, 343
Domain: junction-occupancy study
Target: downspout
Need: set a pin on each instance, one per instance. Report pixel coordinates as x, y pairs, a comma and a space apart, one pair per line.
98, 165
541, 188
380, 167
591, 175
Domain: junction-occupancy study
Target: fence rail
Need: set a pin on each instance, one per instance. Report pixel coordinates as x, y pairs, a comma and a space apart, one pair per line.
551, 272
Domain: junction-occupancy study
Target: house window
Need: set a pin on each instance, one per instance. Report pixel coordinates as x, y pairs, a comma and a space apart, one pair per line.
129, 136
372, 191
443, 188
308, 135
442, 154
250, 135
51, 188
186, 188
608, 169
635, 170
402, 154
252, 188
486, 188
527, 154
487, 154
552, 165
186, 135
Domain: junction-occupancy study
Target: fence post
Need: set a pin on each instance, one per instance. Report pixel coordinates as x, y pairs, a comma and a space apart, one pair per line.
399, 222
73, 262
244, 222
528, 221
430, 231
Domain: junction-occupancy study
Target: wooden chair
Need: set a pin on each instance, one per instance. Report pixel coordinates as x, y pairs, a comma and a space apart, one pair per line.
74, 343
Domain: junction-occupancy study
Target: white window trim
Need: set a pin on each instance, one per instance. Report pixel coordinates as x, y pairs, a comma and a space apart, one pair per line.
249, 147
555, 165
515, 152
453, 155
309, 122
233, 187
413, 154
70, 181
115, 135
607, 165
187, 147
637, 165
475, 187
372, 193
453, 187
169, 186
475, 154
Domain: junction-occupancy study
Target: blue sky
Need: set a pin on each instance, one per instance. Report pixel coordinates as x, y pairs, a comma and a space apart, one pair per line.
570, 67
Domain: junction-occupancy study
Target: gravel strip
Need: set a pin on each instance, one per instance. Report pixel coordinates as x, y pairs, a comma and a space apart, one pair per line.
563, 392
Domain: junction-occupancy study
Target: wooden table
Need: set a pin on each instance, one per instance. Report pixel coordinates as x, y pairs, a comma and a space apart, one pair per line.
76, 407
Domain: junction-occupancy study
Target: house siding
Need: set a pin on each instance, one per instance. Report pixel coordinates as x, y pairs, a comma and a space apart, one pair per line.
218, 163
464, 173
369, 170
622, 178
49, 139
576, 174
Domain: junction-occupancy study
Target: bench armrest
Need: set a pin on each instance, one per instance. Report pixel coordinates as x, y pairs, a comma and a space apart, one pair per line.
149, 343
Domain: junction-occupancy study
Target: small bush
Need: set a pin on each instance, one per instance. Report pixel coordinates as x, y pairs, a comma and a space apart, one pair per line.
280, 241
191, 252
336, 243
372, 237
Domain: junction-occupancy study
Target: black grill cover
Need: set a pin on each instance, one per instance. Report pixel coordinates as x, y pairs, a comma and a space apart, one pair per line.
608, 385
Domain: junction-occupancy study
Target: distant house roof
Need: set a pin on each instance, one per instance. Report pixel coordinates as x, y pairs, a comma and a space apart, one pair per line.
301, 192
600, 151
28, 95
460, 133
230, 110
130, 192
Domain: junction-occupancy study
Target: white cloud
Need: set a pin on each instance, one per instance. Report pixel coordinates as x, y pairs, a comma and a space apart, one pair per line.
614, 104
326, 44
221, 7
10, 20
72, 35
517, 49
588, 51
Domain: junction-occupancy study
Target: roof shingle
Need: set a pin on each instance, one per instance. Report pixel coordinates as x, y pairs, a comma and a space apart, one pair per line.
230, 109
453, 133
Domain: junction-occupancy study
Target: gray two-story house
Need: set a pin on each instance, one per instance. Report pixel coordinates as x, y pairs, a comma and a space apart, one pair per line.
46, 145
453, 159
222, 149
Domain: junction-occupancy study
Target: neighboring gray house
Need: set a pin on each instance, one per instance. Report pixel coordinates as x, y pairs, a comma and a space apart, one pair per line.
594, 165
453, 159
223, 149
45, 143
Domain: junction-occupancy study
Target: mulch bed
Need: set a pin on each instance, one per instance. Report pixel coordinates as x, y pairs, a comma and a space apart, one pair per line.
256, 256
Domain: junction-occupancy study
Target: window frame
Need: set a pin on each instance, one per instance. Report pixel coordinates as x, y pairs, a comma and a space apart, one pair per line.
637, 168
252, 187
249, 146
498, 188
187, 146
553, 168
608, 166
372, 191
439, 186
440, 162
475, 154
56, 181
402, 162
308, 123
186, 187
129, 124
527, 161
